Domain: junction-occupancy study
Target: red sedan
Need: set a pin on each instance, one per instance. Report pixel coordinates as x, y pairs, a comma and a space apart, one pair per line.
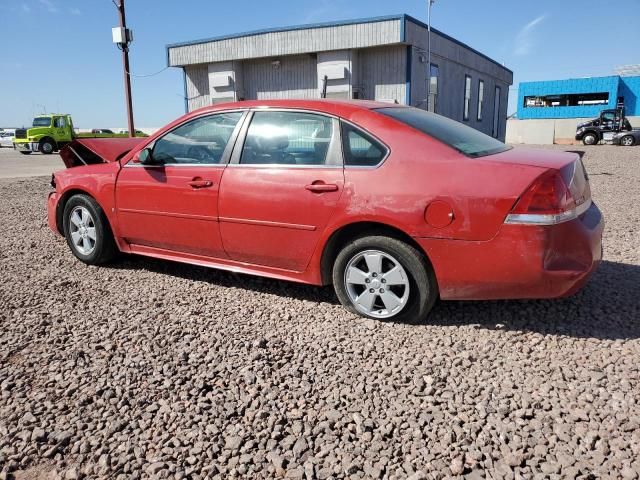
394, 206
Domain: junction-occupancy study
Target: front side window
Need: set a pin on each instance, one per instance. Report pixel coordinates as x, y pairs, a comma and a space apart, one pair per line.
287, 138
466, 140
199, 141
480, 98
360, 149
467, 97
59, 122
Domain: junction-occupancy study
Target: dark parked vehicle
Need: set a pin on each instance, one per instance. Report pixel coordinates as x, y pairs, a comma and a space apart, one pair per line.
611, 126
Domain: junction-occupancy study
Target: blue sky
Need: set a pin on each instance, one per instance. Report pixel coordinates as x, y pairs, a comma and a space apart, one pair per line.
58, 55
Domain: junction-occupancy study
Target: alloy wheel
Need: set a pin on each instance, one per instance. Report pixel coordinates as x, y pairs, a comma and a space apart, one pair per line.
82, 228
376, 283
627, 141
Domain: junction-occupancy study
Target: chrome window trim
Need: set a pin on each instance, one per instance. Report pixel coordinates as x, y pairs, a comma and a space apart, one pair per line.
226, 154
368, 133
334, 150
164, 165
547, 219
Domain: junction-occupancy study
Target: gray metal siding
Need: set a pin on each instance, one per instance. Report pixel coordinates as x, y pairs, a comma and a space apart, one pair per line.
454, 62
454, 52
197, 86
382, 73
290, 42
295, 78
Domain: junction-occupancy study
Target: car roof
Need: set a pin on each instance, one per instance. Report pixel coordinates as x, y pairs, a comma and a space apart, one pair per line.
343, 108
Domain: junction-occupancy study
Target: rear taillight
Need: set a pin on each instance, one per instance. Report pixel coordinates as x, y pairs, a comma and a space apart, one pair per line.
548, 194
549, 199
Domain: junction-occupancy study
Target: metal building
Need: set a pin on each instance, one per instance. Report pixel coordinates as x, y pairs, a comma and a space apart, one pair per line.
578, 97
383, 58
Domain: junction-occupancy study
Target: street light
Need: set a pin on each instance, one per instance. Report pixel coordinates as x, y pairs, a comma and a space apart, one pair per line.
429, 3
122, 37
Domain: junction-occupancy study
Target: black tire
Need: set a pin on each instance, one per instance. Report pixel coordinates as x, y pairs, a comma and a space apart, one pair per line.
46, 146
25, 153
590, 138
423, 287
627, 141
104, 247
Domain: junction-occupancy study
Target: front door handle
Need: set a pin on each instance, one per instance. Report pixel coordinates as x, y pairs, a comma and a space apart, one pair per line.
201, 183
321, 187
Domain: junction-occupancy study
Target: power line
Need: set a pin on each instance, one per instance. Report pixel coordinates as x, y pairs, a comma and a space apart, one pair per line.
149, 75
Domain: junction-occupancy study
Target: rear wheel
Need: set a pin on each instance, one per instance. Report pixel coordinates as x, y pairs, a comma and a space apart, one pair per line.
46, 146
87, 230
590, 138
384, 278
627, 141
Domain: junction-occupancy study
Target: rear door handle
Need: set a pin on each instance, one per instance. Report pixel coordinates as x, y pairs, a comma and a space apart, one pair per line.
201, 183
321, 187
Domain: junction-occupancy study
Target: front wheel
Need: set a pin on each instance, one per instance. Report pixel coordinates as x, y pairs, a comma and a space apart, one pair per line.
87, 230
627, 141
384, 278
46, 146
590, 139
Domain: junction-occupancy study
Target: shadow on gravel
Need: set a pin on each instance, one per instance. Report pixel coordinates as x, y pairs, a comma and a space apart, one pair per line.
607, 308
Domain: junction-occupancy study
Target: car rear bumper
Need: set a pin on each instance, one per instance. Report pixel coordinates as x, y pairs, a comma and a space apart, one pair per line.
522, 261
52, 212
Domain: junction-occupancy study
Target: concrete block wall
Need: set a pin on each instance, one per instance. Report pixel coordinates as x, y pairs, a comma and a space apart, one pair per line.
548, 131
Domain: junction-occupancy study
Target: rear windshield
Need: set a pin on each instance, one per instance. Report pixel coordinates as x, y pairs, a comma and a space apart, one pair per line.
466, 140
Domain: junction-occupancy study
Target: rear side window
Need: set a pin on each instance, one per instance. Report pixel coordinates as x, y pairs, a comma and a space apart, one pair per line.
466, 140
359, 148
288, 138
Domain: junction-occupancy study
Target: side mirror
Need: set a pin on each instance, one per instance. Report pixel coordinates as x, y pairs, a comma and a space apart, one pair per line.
144, 157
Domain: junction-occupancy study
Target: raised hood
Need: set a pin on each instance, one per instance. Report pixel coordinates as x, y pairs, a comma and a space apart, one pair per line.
86, 151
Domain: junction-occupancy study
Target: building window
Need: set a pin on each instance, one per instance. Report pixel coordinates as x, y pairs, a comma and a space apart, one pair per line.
566, 100
467, 97
432, 91
480, 98
496, 113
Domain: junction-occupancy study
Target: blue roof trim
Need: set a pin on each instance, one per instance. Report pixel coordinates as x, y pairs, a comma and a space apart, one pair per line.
403, 18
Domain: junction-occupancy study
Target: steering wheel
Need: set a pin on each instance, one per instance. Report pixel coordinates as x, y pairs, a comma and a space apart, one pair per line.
200, 154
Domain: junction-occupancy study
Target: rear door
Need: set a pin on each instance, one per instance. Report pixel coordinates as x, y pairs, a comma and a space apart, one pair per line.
281, 187
173, 204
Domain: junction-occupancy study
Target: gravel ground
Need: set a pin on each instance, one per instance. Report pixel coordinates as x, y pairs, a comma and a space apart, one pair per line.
150, 369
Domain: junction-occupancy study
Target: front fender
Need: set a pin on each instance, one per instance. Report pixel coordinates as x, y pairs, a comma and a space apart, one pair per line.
97, 181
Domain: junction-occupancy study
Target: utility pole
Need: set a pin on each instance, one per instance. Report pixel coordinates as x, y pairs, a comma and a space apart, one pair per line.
123, 37
429, 2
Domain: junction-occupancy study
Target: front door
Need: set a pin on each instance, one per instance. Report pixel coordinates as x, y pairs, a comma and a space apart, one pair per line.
280, 189
172, 203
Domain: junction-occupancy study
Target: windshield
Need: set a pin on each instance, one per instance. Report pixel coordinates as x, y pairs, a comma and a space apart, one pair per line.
42, 122
466, 140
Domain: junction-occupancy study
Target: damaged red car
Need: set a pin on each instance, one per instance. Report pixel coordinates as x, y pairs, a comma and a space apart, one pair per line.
393, 206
